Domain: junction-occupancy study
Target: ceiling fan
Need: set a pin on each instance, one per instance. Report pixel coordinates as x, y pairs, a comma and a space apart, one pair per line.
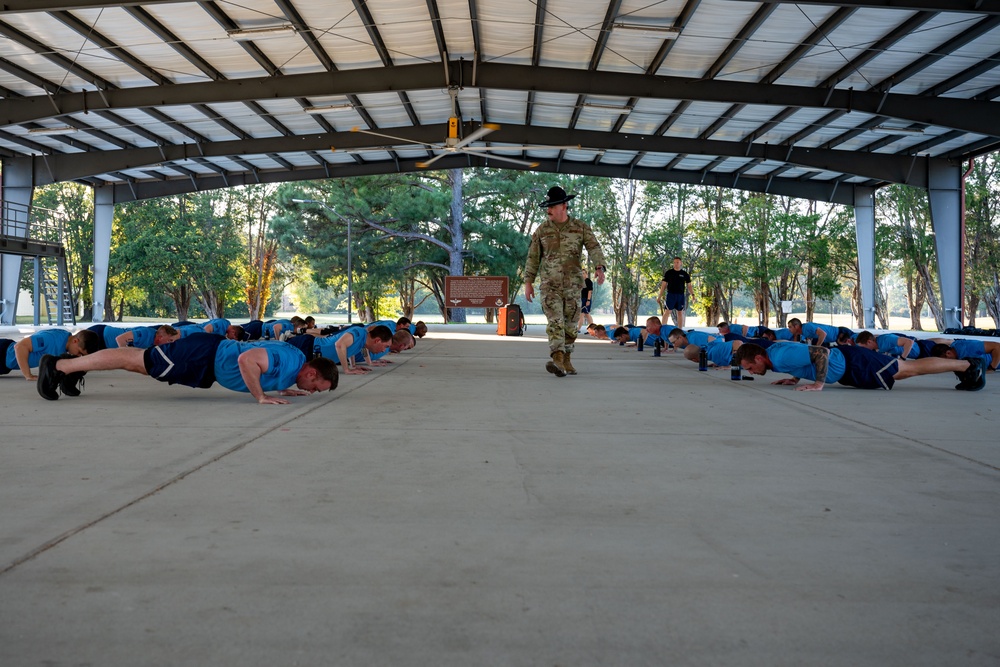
455, 144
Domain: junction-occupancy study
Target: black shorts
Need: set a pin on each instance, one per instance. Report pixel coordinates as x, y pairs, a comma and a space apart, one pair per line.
189, 361
866, 369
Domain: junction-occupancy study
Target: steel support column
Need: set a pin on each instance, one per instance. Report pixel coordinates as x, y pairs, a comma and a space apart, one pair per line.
104, 213
864, 229
15, 199
944, 194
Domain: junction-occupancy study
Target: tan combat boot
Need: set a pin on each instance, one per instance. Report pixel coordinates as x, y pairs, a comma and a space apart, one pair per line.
567, 365
556, 365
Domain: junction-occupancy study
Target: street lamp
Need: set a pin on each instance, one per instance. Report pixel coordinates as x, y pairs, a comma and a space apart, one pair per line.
350, 302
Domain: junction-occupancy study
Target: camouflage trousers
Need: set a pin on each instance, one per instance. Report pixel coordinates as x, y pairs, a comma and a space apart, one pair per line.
562, 309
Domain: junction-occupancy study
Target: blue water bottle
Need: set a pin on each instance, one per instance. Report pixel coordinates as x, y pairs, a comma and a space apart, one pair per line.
735, 372
703, 360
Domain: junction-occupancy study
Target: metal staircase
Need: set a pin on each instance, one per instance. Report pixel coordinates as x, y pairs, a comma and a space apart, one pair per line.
36, 235
55, 287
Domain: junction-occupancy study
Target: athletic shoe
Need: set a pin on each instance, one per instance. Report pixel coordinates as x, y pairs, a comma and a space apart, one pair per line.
72, 383
974, 378
49, 378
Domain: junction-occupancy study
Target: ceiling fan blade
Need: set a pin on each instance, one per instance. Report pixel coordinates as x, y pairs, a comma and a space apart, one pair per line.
389, 136
501, 158
575, 147
487, 128
424, 165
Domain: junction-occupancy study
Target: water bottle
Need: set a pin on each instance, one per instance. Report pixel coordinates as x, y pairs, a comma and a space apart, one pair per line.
735, 372
703, 360
638, 343
656, 347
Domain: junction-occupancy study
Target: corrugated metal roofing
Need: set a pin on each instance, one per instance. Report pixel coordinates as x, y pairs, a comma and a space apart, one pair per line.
777, 96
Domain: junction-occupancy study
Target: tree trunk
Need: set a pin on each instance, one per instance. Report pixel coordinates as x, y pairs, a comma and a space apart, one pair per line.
915, 302
182, 301
881, 305
810, 302
971, 306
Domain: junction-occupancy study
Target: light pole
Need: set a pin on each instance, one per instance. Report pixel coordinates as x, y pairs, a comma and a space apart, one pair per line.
350, 302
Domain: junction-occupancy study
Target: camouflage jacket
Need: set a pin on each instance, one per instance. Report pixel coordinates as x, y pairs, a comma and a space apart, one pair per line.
555, 253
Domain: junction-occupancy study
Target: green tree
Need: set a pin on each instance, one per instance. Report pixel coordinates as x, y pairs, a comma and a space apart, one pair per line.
73, 204
906, 212
179, 247
982, 232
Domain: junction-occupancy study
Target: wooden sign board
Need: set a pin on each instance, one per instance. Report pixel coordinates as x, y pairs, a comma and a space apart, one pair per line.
475, 291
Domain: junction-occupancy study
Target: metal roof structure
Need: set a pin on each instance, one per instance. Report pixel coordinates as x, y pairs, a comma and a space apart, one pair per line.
156, 97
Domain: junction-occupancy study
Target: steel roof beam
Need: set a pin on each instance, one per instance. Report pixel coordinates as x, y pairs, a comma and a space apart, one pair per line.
974, 6
970, 115
875, 166
23, 6
831, 191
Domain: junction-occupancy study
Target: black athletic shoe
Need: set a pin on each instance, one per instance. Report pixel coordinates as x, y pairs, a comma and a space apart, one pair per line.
72, 383
49, 378
974, 378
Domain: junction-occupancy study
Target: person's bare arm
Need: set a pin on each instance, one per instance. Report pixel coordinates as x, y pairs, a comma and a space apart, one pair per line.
907, 345
124, 339
22, 349
343, 343
254, 363
819, 357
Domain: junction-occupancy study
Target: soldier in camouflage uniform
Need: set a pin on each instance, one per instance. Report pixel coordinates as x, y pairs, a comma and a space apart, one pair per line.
555, 253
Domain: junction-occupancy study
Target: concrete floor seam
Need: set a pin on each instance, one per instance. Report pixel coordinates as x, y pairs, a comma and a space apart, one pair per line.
56, 541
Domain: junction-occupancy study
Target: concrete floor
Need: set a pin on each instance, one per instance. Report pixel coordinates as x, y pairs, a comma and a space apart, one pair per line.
463, 507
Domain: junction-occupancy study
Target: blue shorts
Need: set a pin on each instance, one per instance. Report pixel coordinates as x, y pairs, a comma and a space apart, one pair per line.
99, 330
866, 369
585, 308
735, 336
189, 361
4, 344
253, 330
676, 301
924, 345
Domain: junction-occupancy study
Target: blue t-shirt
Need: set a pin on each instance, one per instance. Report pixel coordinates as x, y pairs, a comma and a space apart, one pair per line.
384, 323
889, 344
964, 347
110, 334
47, 341
283, 365
793, 358
783, 334
143, 336
327, 346
699, 338
720, 352
268, 328
810, 330
219, 326
187, 329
